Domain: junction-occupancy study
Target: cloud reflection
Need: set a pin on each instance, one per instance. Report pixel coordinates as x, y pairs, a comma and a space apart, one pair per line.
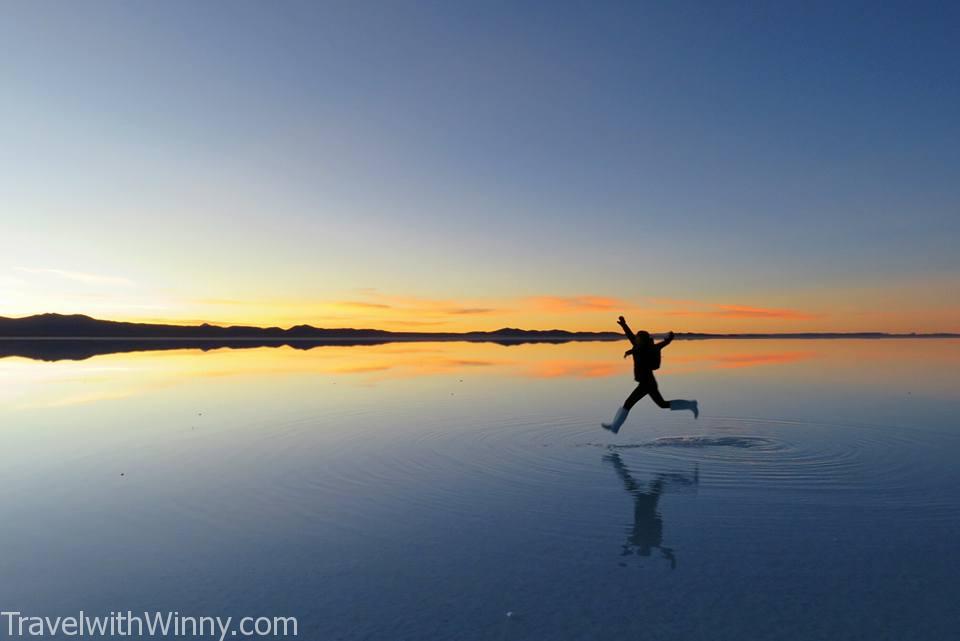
122, 375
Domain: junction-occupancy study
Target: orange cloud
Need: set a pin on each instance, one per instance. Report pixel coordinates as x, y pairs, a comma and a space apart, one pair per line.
471, 310
399, 312
363, 305
418, 306
740, 311
218, 301
411, 323
576, 303
184, 321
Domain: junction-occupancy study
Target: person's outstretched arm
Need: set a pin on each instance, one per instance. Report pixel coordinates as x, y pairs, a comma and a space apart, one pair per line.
666, 341
628, 483
622, 322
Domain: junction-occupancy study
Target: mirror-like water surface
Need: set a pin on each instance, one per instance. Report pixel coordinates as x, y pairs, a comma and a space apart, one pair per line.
426, 490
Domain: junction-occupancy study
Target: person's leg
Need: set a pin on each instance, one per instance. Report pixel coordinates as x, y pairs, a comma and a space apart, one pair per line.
657, 398
675, 404
621, 416
635, 395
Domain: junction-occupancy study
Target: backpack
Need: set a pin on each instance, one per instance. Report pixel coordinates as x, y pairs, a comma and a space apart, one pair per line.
646, 359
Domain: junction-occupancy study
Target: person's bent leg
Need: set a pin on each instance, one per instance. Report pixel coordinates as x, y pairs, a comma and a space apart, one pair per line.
675, 404
657, 398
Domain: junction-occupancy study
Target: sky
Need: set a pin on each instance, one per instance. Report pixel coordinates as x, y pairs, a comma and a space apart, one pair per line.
473, 165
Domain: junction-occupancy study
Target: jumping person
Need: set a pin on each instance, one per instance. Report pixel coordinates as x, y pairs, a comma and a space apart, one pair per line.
646, 358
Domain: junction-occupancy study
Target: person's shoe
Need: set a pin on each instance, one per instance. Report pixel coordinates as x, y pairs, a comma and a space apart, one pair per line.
686, 405
614, 426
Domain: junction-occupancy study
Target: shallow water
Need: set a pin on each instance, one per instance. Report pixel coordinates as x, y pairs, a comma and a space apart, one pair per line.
466, 491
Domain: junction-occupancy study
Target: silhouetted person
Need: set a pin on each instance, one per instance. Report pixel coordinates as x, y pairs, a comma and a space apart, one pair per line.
647, 531
646, 358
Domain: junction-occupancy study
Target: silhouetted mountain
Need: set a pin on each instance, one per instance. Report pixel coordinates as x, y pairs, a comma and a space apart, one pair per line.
80, 326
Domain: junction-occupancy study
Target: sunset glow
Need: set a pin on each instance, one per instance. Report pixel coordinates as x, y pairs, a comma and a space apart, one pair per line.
262, 166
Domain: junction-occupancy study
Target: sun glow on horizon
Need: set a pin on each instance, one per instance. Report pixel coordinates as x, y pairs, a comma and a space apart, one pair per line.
116, 298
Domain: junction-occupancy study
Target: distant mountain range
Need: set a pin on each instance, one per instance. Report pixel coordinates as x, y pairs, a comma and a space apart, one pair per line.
80, 326
75, 337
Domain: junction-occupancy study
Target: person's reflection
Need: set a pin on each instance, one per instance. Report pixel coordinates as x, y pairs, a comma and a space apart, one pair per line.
647, 531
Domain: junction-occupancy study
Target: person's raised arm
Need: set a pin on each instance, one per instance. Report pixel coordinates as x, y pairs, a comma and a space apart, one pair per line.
666, 341
622, 322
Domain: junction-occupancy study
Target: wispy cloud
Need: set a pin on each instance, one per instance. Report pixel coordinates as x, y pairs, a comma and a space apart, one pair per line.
416, 305
576, 303
713, 310
466, 311
388, 323
184, 321
218, 301
363, 305
80, 277
741, 311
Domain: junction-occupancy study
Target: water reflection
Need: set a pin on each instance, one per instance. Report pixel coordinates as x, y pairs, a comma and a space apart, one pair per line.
930, 365
646, 534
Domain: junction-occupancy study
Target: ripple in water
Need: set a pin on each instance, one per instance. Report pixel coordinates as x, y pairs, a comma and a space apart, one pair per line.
704, 441
465, 465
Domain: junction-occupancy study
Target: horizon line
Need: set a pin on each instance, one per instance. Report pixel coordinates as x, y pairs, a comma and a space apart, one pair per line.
416, 333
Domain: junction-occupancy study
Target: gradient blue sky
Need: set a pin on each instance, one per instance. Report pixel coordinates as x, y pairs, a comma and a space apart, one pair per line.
471, 164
